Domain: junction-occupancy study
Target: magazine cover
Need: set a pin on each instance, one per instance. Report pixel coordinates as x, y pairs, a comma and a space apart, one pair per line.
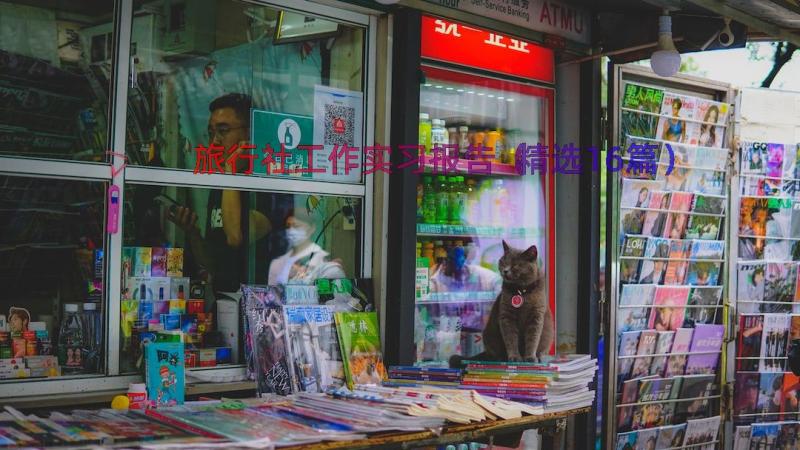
675, 177
642, 98
791, 386
794, 227
671, 436
750, 286
706, 343
678, 265
711, 112
705, 135
636, 193
699, 431
774, 160
668, 308
746, 392
637, 124
634, 246
706, 181
313, 348
757, 186
676, 221
655, 389
753, 158
265, 329
164, 363
741, 438
642, 144
764, 435
630, 392
636, 318
648, 416
696, 387
789, 434
774, 342
702, 296
656, 254
361, 347
654, 220
626, 441
663, 346
680, 346
675, 109
703, 227
753, 214
778, 250
708, 204
647, 346
703, 273
646, 439
769, 395
791, 172
254, 296
628, 343
707, 158
779, 288
632, 220
748, 346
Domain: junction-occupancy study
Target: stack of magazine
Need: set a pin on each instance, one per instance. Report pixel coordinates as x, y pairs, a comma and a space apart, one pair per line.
671, 269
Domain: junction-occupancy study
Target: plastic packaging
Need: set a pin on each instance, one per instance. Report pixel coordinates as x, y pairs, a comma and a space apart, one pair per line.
425, 131
93, 337
438, 133
442, 200
137, 394
70, 340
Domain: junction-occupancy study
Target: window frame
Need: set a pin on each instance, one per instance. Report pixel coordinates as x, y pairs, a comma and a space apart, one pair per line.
115, 172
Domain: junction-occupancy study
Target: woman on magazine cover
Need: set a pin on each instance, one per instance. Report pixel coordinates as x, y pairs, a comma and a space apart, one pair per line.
661, 218
708, 133
675, 128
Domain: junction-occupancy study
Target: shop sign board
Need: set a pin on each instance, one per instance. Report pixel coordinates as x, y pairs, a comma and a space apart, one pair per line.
539, 15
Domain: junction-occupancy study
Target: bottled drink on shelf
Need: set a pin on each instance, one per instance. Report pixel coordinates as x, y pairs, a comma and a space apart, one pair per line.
428, 200
471, 207
420, 194
425, 131
499, 202
419, 249
454, 214
460, 201
463, 141
442, 200
438, 133
439, 252
70, 340
491, 143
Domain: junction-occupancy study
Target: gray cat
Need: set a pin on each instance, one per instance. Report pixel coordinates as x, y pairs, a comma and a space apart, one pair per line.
520, 326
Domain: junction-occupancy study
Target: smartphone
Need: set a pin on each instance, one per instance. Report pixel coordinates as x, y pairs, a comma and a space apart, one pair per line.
169, 203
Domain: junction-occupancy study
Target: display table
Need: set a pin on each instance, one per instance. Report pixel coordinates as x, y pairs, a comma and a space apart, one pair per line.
551, 427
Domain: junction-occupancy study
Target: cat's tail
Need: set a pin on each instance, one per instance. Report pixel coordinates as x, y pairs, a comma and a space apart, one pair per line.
457, 361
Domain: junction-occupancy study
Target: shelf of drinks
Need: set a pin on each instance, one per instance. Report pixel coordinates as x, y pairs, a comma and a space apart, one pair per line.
472, 167
431, 229
457, 297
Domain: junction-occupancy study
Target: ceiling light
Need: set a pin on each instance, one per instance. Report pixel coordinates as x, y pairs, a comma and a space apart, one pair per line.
666, 60
449, 89
501, 98
438, 86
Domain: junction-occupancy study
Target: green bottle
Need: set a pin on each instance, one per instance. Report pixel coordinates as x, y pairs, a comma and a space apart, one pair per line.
442, 200
461, 200
428, 201
454, 214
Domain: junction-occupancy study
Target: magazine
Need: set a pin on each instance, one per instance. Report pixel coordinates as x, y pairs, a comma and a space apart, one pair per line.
656, 254
774, 160
791, 394
699, 431
706, 181
647, 346
633, 319
642, 98
708, 204
794, 226
764, 435
705, 135
636, 193
778, 250
266, 328
774, 343
695, 387
711, 112
628, 343
769, 395
165, 366
634, 246
631, 220
650, 415
750, 286
255, 297
700, 296
703, 227
746, 392
753, 158
749, 342
671, 436
636, 124
779, 287
674, 171
706, 343
646, 438
758, 186
707, 249
753, 214
626, 441
675, 109
677, 221
655, 389
678, 265
361, 347
668, 309
680, 346
654, 220
313, 348
629, 271
663, 346
741, 438
703, 273
650, 146
630, 392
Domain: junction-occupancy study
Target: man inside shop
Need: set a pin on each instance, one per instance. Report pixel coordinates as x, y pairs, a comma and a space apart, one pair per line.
221, 254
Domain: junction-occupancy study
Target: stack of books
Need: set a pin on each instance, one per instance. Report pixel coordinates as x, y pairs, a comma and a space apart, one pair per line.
416, 376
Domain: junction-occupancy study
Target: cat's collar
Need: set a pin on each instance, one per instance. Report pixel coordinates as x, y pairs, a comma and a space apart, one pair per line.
516, 289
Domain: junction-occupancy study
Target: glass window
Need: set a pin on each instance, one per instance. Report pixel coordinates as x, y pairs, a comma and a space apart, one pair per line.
241, 76
52, 267
55, 67
187, 250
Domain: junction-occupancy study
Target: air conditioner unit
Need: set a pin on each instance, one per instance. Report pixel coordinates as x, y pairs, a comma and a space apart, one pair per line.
189, 28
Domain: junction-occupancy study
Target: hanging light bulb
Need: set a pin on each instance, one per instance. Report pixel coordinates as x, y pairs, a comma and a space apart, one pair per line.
666, 60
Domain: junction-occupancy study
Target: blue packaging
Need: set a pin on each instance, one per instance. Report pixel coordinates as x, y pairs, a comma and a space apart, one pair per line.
145, 310
171, 321
223, 355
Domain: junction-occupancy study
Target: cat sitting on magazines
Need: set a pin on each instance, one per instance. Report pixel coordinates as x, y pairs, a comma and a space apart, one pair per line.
520, 326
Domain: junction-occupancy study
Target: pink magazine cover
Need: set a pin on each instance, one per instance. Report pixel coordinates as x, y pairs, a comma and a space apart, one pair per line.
676, 220
707, 342
654, 220
711, 112
668, 309
775, 160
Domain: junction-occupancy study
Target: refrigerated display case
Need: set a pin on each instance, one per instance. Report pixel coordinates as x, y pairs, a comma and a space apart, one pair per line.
476, 109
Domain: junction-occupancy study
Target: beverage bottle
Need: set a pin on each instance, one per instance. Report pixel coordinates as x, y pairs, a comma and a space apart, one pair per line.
428, 201
438, 133
70, 340
420, 195
471, 204
461, 199
427, 252
442, 200
439, 253
500, 202
419, 249
92, 339
463, 141
452, 192
452, 140
425, 131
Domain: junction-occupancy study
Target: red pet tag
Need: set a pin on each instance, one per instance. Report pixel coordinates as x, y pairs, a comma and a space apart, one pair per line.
516, 301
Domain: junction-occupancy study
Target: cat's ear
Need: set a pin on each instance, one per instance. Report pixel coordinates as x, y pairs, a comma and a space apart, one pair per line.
506, 248
531, 253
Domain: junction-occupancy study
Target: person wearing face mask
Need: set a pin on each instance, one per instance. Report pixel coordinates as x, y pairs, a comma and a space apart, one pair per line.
456, 274
305, 261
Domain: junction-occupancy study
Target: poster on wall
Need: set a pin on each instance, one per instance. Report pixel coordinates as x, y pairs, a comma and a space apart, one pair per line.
288, 130
338, 128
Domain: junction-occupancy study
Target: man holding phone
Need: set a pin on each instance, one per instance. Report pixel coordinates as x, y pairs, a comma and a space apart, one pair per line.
221, 252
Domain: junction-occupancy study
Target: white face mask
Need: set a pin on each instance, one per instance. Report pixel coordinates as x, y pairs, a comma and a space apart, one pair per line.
296, 236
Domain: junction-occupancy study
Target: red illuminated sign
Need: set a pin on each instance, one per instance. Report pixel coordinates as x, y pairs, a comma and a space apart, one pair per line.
470, 46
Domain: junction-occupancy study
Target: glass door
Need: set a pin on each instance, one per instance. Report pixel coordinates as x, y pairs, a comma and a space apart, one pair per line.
474, 194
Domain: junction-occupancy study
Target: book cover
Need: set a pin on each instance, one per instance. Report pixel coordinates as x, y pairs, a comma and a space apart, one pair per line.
675, 109
748, 346
628, 344
655, 389
746, 392
678, 265
655, 219
671, 436
656, 257
636, 193
678, 217
626, 441
702, 296
360, 347
750, 286
313, 348
680, 346
708, 204
790, 402
164, 365
779, 287
706, 343
694, 387
647, 345
635, 318
663, 346
703, 227
769, 395
699, 431
668, 309
764, 435
774, 342
642, 98
753, 158
634, 246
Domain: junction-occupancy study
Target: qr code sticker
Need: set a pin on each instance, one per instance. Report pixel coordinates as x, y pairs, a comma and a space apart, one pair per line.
339, 125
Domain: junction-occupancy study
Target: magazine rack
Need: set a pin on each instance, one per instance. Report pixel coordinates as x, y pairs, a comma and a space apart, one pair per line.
667, 244
765, 211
